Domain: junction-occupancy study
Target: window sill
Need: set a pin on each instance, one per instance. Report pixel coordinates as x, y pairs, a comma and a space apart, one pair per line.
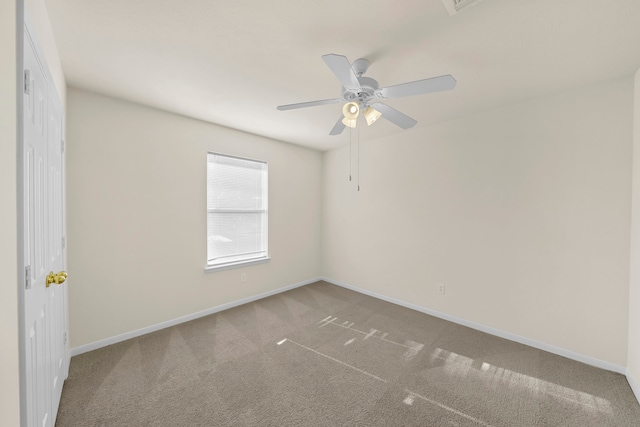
213, 268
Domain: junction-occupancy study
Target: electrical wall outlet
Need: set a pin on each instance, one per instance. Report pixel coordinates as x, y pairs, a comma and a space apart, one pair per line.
441, 288
243, 277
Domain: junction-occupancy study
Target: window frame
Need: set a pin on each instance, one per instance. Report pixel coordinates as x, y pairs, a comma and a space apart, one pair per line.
247, 261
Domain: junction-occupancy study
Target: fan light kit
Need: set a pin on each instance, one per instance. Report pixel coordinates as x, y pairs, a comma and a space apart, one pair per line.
350, 112
371, 114
360, 92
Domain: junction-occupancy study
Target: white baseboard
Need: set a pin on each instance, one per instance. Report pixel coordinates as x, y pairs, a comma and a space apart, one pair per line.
128, 335
493, 331
634, 385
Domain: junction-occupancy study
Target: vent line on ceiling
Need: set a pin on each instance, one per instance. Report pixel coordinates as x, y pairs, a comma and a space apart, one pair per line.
455, 6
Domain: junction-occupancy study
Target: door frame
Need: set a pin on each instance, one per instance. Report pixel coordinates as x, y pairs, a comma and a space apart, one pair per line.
22, 347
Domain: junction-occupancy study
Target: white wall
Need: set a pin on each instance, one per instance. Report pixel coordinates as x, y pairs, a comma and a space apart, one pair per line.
523, 213
9, 359
633, 358
136, 180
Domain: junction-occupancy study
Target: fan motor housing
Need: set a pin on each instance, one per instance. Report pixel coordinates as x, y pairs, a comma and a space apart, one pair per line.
368, 85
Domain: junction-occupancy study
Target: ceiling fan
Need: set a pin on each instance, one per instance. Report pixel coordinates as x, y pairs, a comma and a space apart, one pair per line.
360, 93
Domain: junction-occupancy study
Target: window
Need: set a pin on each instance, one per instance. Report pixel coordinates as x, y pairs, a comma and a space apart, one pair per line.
236, 211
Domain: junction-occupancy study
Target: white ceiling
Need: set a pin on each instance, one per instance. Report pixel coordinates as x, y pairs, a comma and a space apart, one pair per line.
233, 62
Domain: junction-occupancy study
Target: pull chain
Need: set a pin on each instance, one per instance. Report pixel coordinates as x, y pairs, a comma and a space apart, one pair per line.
358, 160
350, 135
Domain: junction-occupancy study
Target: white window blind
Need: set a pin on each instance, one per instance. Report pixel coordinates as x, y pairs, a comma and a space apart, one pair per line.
236, 210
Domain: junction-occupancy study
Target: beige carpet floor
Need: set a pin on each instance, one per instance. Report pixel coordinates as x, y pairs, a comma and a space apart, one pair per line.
321, 355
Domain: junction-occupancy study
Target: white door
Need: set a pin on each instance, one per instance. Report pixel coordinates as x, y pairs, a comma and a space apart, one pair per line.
45, 312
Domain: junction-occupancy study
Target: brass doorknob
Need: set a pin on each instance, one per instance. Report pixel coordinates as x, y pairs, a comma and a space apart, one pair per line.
57, 278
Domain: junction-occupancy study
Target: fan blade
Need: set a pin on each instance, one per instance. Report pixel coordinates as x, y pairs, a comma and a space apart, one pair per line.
309, 104
339, 127
340, 66
434, 84
395, 116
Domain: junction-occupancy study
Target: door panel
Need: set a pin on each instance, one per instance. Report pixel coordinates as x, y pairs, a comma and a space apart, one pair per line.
39, 406
45, 312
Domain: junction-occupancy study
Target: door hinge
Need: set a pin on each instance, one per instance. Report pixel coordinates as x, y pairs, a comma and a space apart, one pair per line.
64, 338
27, 277
64, 242
27, 82
62, 145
